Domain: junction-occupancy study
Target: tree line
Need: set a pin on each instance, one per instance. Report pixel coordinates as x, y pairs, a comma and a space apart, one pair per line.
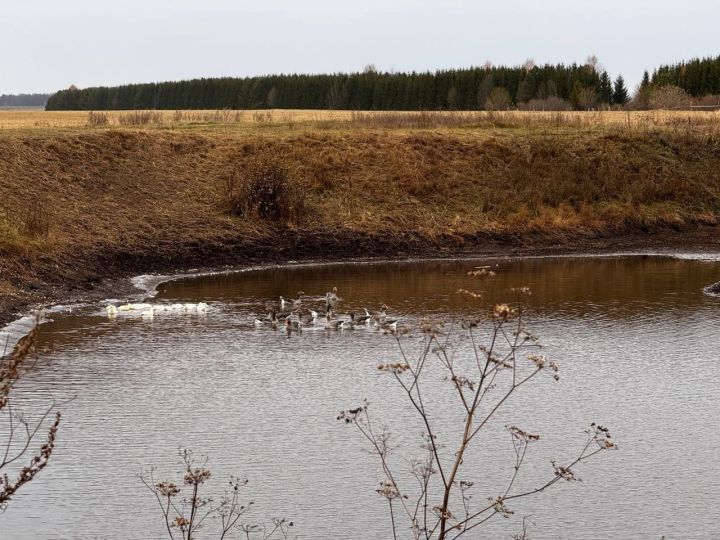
698, 77
24, 100
546, 87
488, 87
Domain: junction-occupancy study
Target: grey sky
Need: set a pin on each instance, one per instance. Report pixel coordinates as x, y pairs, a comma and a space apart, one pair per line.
49, 44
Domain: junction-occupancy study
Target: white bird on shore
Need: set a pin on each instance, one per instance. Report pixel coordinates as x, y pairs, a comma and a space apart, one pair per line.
112, 311
202, 307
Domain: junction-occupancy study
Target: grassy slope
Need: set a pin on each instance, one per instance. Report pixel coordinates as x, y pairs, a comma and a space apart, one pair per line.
133, 200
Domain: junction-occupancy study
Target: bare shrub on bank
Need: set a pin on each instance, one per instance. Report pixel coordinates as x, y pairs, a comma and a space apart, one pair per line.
434, 497
185, 514
20, 462
263, 187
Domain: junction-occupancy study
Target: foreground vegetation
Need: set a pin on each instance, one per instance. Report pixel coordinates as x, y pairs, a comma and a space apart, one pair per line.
88, 196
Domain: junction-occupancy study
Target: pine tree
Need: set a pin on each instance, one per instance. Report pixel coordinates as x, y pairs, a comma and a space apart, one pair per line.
620, 93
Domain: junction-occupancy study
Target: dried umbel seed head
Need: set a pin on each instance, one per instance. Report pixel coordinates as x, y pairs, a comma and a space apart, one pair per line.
601, 435
565, 473
463, 382
541, 362
503, 312
196, 476
351, 415
397, 368
498, 504
389, 491
167, 489
522, 435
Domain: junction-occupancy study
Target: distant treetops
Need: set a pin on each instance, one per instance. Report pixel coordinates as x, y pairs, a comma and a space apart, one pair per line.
547, 87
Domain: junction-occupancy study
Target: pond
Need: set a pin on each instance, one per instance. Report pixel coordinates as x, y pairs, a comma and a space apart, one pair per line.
635, 338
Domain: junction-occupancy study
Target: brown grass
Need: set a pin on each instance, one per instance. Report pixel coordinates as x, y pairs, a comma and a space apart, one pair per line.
136, 197
350, 120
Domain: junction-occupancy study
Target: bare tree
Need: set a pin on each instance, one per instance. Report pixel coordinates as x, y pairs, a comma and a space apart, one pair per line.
499, 99
20, 461
436, 501
184, 515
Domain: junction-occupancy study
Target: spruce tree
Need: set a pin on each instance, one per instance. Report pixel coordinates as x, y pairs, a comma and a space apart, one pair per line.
620, 94
645, 80
606, 89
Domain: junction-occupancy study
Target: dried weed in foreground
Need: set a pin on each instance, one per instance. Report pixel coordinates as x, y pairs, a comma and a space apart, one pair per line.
19, 464
185, 514
440, 501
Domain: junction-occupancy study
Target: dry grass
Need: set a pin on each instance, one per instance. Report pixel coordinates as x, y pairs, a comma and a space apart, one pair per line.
311, 119
140, 197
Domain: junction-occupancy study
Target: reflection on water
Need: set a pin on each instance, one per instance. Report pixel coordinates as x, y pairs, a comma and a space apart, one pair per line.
635, 338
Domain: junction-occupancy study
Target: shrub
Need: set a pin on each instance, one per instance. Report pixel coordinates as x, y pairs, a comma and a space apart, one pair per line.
262, 188
669, 97
499, 99
97, 119
140, 118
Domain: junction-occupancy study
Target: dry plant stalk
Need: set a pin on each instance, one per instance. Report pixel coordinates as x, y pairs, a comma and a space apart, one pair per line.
18, 463
439, 505
185, 515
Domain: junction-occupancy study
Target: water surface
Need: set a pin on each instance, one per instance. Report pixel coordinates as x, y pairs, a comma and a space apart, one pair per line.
635, 338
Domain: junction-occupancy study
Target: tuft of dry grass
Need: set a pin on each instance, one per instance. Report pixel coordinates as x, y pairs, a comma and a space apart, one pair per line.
97, 119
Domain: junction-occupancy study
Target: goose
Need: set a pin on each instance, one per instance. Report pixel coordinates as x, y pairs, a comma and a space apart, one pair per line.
362, 319
270, 320
390, 323
292, 325
287, 302
331, 324
308, 317
377, 315
331, 298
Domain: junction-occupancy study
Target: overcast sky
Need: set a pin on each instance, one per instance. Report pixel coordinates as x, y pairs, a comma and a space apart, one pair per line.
50, 44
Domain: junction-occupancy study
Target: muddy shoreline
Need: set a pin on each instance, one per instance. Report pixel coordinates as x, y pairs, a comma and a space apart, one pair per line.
51, 282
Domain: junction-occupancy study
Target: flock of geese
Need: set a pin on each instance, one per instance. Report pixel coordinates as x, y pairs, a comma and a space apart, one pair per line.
303, 311
290, 313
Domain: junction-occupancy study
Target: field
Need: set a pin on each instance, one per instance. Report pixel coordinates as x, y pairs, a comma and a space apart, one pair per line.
34, 120
88, 196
